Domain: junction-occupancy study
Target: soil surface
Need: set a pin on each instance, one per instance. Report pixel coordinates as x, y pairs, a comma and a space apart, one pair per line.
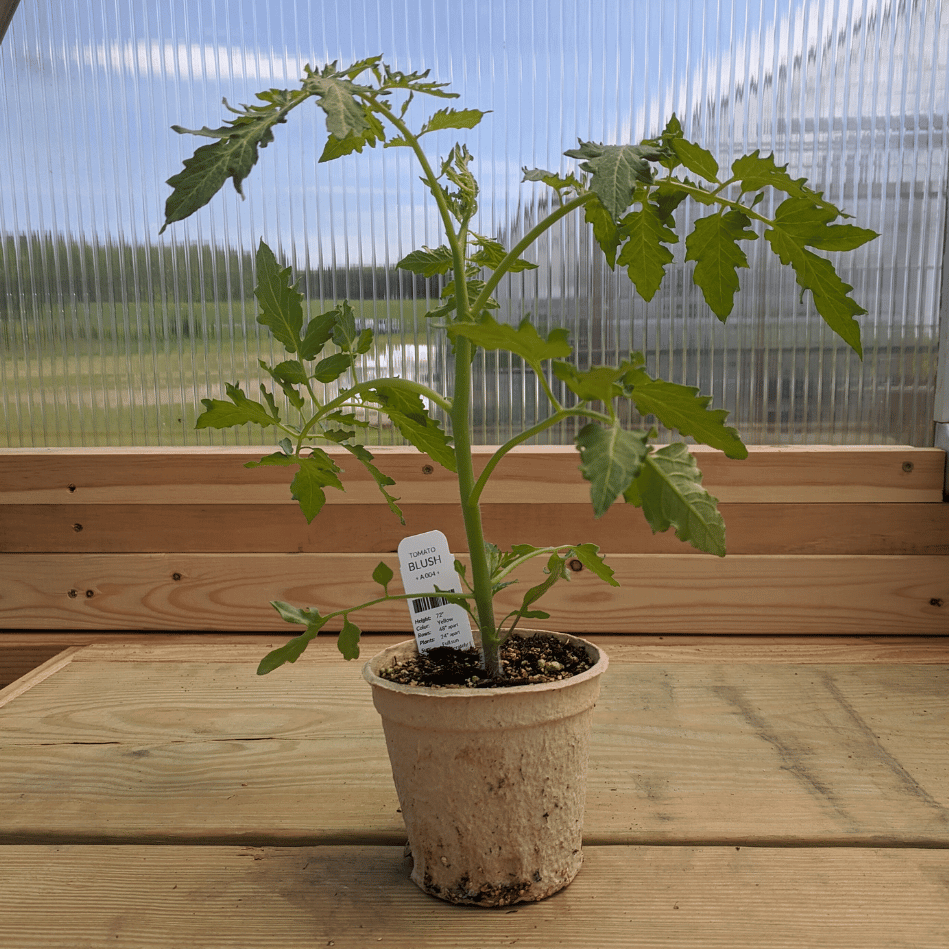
526, 660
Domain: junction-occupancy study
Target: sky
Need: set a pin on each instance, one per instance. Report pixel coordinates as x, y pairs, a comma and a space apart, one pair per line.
90, 89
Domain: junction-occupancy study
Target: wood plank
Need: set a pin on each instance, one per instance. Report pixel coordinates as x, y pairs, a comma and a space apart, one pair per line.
26, 650
876, 529
37, 674
658, 594
822, 474
683, 753
357, 897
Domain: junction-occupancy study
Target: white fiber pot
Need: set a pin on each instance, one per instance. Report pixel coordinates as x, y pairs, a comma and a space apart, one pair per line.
491, 781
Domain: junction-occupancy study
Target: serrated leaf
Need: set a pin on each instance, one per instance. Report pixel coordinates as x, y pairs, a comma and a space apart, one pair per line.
348, 641
697, 159
239, 411
830, 293
682, 408
383, 575
345, 333
233, 156
556, 570
407, 412
356, 142
595, 384
281, 303
453, 119
382, 480
317, 471
427, 262
345, 115
589, 556
523, 341
552, 179
490, 254
616, 170
755, 173
283, 374
713, 245
811, 224
645, 255
332, 367
610, 458
669, 490
318, 333
292, 650
605, 231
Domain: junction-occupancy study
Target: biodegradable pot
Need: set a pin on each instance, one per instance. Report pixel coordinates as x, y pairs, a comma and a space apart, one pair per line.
491, 781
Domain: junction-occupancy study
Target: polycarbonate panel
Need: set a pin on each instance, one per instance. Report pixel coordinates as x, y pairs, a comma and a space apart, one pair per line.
110, 334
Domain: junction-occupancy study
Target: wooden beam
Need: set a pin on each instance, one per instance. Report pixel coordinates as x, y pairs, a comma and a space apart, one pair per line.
664, 593
785, 528
824, 475
629, 897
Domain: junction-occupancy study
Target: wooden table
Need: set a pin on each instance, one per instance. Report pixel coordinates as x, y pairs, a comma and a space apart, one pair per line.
744, 792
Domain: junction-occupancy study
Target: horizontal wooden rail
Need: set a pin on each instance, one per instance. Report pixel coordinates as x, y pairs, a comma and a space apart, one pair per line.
823, 475
665, 593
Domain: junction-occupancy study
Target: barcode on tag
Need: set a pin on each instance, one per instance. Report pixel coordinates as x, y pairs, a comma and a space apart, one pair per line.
428, 568
424, 603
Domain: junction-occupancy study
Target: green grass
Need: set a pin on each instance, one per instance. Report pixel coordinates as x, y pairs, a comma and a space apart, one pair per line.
116, 377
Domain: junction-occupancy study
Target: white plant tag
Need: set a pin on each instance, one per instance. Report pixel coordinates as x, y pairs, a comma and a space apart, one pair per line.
426, 563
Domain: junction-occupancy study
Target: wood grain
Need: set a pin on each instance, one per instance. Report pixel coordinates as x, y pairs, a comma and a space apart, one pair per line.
682, 753
810, 474
359, 897
658, 593
785, 528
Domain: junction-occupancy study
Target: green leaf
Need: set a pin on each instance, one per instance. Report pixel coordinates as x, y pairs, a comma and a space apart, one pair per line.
382, 481
610, 458
356, 142
286, 375
558, 182
233, 155
383, 575
713, 245
589, 556
523, 341
332, 367
490, 254
453, 119
605, 231
407, 412
645, 255
348, 641
669, 490
811, 224
281, 303
617, 170
695, 158
755, 173
597, 384
317, 471
556, 570
682, 408
318, 333
830, 293
346, 117
345, 334
428, 262
239, 411
292, 650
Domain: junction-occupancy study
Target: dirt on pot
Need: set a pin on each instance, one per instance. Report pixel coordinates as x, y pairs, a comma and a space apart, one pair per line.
527, 661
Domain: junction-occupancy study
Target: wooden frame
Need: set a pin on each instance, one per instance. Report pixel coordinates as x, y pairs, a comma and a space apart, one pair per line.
822, 540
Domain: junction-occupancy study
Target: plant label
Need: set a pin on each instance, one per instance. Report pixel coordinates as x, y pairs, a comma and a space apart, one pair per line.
428, 569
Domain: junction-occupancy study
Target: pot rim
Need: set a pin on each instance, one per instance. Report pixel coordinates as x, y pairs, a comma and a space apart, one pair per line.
597, 669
